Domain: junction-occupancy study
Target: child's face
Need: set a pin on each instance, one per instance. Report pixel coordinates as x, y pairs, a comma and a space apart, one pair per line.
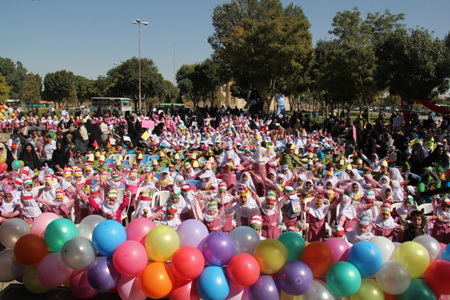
175, 200
111, 202
308, 185
385, 216
59, 199
47, 185
329, 186
257, 229
245, 178
416, 221
408, 204
318, 204
170, 216
355, 188
28, 187
445, 207
8, 198
280, 180
243, 199
211, 212
133, 177
383, 180
271, 177
388, 192
270, 205
361, 230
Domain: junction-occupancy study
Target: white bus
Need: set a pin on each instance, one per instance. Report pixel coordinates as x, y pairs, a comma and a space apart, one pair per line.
122, 105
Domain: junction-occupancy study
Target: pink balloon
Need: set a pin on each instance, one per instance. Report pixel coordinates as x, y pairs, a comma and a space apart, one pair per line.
79, 285
41, 222
52, 272
129, 289
138, 229
130, 258
339, 248
237, 293
184, 290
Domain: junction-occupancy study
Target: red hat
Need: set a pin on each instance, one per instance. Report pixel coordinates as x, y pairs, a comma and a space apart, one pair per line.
145, 196
338, 231
386, 208
256, 221
171, 209
186, 187
222, 187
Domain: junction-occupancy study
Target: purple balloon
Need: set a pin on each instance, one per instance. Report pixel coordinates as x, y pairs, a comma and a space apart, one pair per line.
102, 275
191, 233
265, 288
218, 248
295, 278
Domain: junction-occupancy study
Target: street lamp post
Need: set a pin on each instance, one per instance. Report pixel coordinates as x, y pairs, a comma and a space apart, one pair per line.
139, 22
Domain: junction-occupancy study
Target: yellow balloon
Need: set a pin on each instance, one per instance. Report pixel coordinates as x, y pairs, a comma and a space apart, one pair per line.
286, 296
368, 290
161, 243
32, 283
413, 256
271, 256
2, 159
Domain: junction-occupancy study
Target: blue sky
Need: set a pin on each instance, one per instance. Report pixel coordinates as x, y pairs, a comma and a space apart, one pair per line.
88, 37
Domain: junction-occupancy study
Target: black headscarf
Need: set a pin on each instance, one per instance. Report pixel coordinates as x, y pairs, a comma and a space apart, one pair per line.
31, 158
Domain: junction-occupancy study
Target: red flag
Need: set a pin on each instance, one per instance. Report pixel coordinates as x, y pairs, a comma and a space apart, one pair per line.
95, 144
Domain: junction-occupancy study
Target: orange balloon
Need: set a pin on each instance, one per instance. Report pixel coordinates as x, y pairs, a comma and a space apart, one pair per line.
390, 297
30, 249
318, 257
157, 280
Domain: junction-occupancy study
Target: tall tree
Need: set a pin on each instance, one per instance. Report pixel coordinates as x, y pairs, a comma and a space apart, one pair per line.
170, 93
261, 41
30, 92
73, 97
15, 74
4, 89
57, 85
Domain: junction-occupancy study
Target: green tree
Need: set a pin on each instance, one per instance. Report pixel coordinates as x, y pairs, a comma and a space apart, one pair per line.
57, 85
125, 79
72, 98
412, 64
261, 42
15, 74
184, 78
4, 89
170, 93
30, 92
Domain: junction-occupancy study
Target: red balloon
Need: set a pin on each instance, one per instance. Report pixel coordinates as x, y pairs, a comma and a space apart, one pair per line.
318, 257
437, 276
390, 297
187, 263
79, 285
3, 167
30, 249
184, 290
243, 270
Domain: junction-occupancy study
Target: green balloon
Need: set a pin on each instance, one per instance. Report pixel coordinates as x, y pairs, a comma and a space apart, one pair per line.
58, 232
421, 187
417, 290
16, 164
343, 279
294, 244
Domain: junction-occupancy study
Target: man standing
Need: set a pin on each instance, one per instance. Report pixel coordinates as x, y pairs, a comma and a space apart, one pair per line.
47, 149
281, 104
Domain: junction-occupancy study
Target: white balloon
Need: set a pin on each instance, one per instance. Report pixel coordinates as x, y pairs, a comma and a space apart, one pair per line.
393, 278
87, 225
12, 230
431, 244
385, 245
10, 268
318, 291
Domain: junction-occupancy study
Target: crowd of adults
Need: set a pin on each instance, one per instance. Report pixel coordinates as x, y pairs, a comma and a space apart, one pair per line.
230, 167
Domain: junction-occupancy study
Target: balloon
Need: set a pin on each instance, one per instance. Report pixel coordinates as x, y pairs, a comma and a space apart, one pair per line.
446, 253
3, 166
192, 232
218, 249
12, 230
80, 286
40, 223
295, 278
385, 245
184, 289
58, 232
22, 163
417, 290
294, 244
78, 253
413, 256
16, 164
138, 229
32, 283
437, 277
52, 272
107, 236
212, 283
11, 268
339, 248
129, 289
157, 280
130, 258
265, 288
431, 244
368, 290
393, 278
343, 279
243, 270
187, 263
161, 243
366, 257
30, 249
245, 238
318, 257
271, 256
318, 291
87, 225
102, 275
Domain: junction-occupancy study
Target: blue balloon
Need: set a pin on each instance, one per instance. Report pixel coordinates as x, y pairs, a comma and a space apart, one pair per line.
366, 257
212, 283
218, 248
107, 236
446, 253
265, 288
295, 278
102, 275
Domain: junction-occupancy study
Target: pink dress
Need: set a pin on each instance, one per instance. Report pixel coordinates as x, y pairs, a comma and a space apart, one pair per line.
378, 231
270, 226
